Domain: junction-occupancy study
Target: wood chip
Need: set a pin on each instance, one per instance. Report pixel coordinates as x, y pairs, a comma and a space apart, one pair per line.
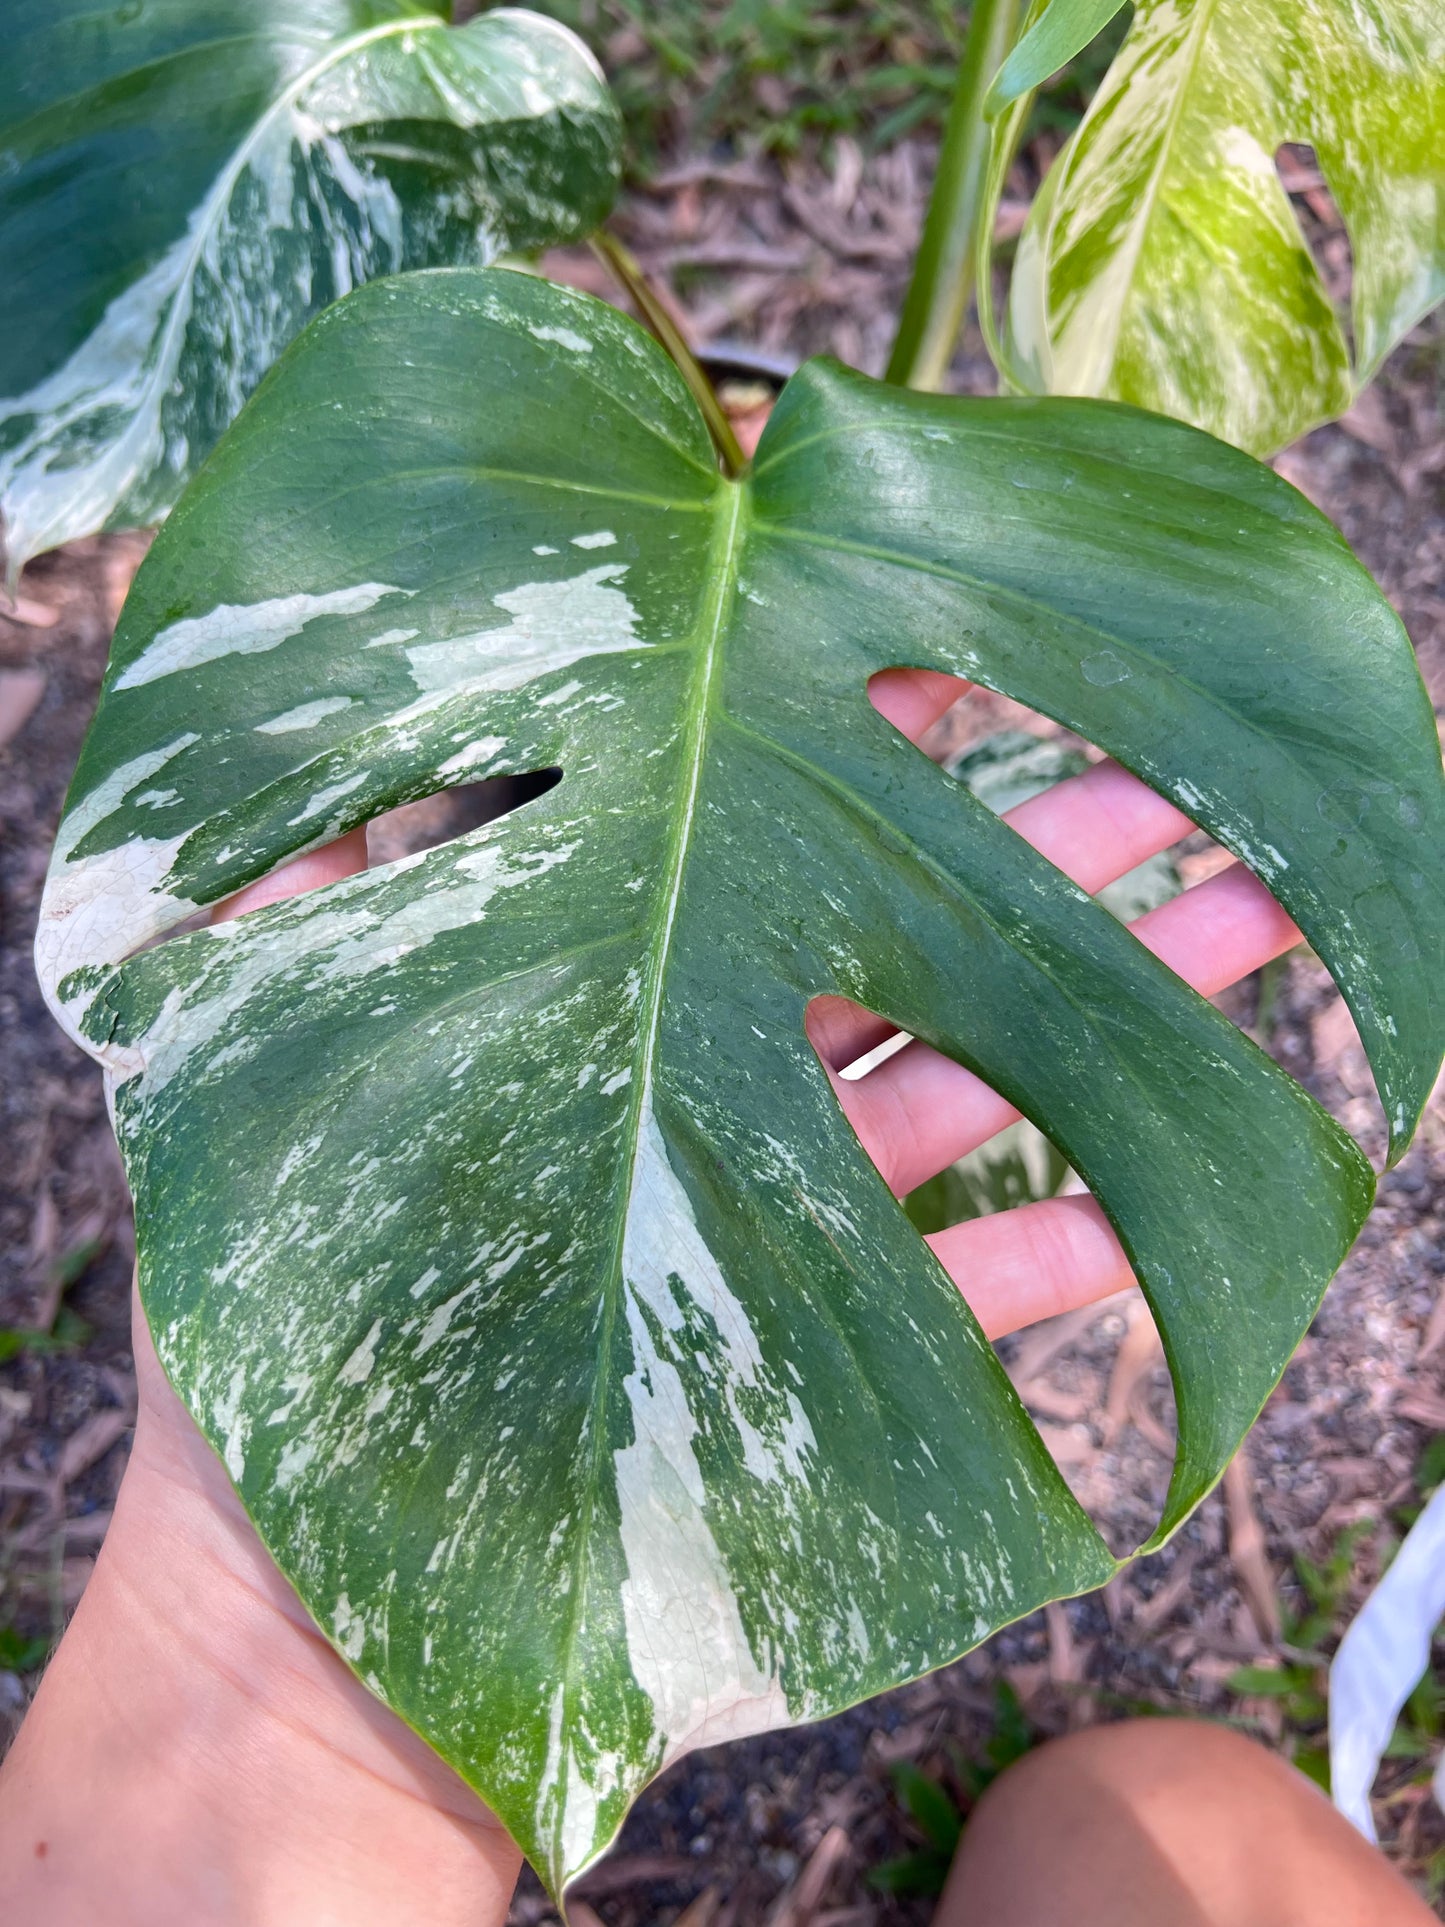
89, 1442
702, 1911
1151, 1613
1066, 1667
1247, 1550
742, 175
1433, 1336
613, 1875
1424, 1406
1043, 1342
818, 220
1027, 1679
1366, 420
44, 1232
74, 1578
1117, 1599
728, 255
1134, 1361
1297, 178
1144, 1422
847, 175
799, 1905
29, 613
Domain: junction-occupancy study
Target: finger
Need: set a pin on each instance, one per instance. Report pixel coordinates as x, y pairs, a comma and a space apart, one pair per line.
920, 1111
914, 699
1033, 1262
1219, 931
344, 858
1096, 826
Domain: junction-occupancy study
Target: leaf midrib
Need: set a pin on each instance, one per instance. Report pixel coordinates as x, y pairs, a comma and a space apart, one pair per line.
730, 504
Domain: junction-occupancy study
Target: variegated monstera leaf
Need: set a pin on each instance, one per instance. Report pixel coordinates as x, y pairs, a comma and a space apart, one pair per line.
1162, 262
184, 185
496, 1220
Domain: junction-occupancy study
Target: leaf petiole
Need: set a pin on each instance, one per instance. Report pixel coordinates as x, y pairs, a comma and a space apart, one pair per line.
627, 272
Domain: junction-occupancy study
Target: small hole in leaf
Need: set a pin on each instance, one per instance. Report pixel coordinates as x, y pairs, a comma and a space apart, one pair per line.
1319, 220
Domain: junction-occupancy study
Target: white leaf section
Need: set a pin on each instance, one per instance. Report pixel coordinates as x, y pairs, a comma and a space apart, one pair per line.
686, 1642
294, 219
43, 499
251, 629
554, 624
98, 909
304, 716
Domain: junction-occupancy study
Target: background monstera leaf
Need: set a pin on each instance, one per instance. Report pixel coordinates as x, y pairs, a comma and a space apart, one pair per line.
496, 1220
1162, 263
185, 183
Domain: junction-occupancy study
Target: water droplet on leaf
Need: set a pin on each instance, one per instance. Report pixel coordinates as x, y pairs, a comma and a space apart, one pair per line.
1105, 668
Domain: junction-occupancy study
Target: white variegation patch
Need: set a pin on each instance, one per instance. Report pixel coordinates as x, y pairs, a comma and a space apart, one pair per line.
251, 629
330, 941
304, 716
99, 908
564, 338
686, 1643
687, 1646
554, 624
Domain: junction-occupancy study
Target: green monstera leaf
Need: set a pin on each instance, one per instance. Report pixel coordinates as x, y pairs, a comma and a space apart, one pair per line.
185, 183
1162, 263
497, 1221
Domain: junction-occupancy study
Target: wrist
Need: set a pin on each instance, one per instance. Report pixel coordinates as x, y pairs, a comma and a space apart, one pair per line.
197, 1753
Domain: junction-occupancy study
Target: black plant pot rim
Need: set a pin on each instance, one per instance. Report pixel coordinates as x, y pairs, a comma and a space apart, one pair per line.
740, 361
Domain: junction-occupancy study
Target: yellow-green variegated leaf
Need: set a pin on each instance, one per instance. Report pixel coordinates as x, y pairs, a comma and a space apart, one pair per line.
496, 1220
1163, 264
185, 183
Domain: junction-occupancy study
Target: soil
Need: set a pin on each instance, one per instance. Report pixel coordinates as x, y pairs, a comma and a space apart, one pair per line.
787, 1829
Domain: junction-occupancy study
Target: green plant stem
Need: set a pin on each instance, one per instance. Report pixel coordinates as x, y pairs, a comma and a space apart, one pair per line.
942, 282
1272, 979
622, 265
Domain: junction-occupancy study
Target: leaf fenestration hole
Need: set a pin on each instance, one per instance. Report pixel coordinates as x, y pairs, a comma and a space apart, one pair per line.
433, 820
1097, 1387
1321, 227
411, 828
1092, 1378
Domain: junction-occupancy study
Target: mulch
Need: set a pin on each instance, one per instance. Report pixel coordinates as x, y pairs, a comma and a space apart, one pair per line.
804, 256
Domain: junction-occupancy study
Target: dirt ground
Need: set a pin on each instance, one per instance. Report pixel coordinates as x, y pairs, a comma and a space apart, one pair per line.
798, 257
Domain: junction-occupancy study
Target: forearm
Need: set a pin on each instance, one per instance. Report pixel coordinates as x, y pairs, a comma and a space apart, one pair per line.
197, 1754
